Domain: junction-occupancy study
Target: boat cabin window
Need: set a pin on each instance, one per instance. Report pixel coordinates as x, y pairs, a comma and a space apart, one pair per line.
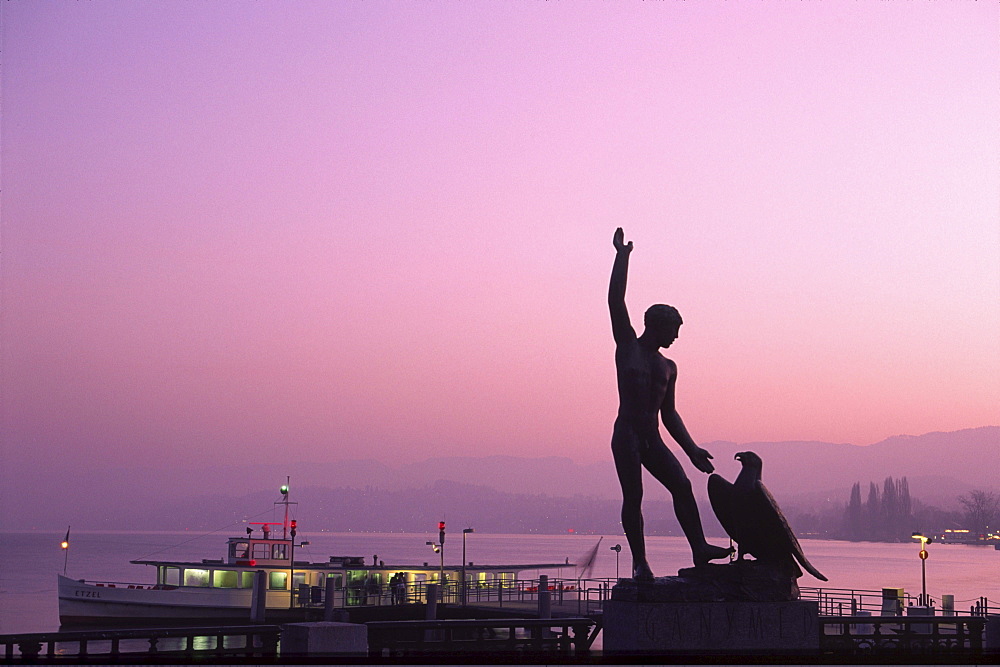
261, 551
278, 552
298, 579
338, 580
171, 576
278, 581
224, 579
196, 577
240, 550
246, 579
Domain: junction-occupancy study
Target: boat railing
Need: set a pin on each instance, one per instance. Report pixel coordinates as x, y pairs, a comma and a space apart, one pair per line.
123, 584
585, 594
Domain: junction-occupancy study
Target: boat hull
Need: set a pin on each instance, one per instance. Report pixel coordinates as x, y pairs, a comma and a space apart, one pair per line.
84, 603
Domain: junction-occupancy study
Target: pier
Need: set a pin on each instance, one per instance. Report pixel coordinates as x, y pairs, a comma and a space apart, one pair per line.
557, 620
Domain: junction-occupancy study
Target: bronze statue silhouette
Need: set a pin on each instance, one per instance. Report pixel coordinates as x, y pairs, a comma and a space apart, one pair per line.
646, 382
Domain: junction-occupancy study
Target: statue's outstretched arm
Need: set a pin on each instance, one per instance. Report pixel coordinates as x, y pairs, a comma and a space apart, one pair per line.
621, 327
675, 427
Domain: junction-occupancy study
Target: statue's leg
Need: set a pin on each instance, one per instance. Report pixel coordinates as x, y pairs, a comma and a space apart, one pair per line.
665, 467
625, 447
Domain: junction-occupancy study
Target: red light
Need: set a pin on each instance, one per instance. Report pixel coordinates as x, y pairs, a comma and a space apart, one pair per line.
440, 525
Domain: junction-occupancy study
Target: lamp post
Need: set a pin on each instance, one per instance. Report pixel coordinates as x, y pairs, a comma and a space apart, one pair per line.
617, 549
924, 541
465, 531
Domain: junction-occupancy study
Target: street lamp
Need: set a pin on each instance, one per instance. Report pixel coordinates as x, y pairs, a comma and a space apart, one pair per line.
617, 549
465, 531
438, 549
924, 541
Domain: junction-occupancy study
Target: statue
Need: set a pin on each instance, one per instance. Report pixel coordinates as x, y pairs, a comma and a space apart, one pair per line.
646, 382
753, 519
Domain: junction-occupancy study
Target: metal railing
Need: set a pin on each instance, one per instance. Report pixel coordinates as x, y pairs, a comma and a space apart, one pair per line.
184, 644
535, 635
848, 602
590, 592
902, 634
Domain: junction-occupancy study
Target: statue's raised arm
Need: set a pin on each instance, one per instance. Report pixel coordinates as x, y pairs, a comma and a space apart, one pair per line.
621, 327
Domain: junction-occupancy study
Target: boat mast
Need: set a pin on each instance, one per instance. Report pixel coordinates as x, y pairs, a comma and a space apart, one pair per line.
284, 496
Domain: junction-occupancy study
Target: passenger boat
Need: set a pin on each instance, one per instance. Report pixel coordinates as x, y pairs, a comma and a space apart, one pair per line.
224, 589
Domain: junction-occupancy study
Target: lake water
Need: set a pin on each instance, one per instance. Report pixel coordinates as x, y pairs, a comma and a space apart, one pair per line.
29, 562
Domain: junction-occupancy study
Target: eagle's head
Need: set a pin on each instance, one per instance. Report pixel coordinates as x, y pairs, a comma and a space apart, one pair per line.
749, 460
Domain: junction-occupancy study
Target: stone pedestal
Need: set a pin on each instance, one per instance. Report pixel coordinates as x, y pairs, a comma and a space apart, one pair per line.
736, 608
711, 627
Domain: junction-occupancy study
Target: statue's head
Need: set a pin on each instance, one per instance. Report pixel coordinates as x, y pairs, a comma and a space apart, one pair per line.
663, 322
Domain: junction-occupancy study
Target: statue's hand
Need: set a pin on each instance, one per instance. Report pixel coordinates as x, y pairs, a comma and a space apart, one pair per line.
700, 459
620, 244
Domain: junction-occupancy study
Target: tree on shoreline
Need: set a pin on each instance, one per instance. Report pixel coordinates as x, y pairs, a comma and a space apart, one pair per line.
982, 509
886, 515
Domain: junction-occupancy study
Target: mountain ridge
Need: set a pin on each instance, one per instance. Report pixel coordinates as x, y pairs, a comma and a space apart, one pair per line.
811, 475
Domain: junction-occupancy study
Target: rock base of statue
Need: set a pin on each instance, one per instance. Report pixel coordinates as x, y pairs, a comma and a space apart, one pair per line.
741, 607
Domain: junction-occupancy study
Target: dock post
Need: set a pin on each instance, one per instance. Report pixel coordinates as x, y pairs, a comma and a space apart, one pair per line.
329, 596
544, 597
432, 601
947, 605
258, 600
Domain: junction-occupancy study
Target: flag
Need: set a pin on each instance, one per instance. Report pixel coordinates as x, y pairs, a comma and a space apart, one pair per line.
586, 567
65, 542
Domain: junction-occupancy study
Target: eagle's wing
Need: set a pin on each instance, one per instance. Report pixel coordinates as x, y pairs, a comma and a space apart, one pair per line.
778, 534
722, 495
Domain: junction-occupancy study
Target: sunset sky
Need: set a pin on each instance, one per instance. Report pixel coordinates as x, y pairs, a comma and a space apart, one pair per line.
384, 229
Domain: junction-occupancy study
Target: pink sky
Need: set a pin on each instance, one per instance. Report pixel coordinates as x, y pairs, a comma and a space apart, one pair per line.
367, 229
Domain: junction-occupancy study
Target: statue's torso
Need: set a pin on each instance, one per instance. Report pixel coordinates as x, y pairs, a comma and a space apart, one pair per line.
643, 380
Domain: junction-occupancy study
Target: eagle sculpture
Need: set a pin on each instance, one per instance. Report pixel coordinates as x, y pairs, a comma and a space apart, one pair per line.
752, 518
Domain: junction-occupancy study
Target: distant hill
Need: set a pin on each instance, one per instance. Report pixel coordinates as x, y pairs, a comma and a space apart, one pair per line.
514, 491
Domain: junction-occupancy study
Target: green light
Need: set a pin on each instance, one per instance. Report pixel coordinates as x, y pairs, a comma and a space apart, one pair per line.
284, 489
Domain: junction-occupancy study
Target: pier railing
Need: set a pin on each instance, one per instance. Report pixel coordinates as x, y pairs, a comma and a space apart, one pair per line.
902, 635
563, 636
182, 644
588, 597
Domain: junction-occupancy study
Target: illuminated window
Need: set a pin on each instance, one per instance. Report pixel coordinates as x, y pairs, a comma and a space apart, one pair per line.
172, 576
224, 579
196, 577
278, 581
246, 579
278, 552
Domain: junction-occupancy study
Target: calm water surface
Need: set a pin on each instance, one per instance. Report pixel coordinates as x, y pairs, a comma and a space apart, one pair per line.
29, 562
